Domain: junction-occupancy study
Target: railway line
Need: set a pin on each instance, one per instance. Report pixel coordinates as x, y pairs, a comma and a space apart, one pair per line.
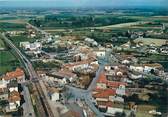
42, 104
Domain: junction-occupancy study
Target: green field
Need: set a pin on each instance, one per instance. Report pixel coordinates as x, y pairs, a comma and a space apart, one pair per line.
14, 21
8, 61
21, 38
148, 41
6, 26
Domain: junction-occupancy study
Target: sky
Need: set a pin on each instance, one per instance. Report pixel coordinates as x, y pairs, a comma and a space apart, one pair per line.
84, 3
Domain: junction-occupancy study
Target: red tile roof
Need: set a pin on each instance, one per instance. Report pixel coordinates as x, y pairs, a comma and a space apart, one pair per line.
104, 103
105, 93
66, 73
115, 84
14, 74
78, 63
157, 65
102, 78
14, 96
97, 89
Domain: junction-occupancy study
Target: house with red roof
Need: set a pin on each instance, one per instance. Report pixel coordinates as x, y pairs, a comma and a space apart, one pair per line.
107, 92
14, 100
80, 64
103, 83
63, 76
18, 74
102, 97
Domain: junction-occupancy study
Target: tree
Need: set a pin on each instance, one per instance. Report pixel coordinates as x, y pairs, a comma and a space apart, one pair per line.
152, 71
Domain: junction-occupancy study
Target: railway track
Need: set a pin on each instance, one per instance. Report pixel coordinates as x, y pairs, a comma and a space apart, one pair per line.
43, 100
42, 103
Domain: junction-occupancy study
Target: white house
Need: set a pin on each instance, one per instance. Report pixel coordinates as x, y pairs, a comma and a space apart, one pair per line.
100, 53
111, 111
121, 90
136, 76
107, 67
149, 67
91, 42
3, 84
30, 46
25, 45
116, 99
137, 68
80, 64
65, 75
35, 46
32, 35
125, 62
54, 94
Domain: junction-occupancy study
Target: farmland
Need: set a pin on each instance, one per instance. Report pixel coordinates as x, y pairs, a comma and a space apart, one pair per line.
8, 61
148, 41
6, 26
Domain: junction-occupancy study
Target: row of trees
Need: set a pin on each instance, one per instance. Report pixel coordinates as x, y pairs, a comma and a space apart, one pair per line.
78, 21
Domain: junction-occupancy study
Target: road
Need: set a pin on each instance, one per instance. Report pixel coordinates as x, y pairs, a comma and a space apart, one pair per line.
38, 30
87, 94
43, 106
93, 83
27, 106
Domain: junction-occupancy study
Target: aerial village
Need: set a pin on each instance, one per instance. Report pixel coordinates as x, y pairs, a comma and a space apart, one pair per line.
82, 78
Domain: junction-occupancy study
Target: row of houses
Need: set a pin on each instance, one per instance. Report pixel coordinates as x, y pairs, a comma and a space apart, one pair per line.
148, 68
9, 90
116, 81
108, 93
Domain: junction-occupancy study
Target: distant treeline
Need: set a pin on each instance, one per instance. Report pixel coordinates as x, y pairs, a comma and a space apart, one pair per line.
71, 21
5, 25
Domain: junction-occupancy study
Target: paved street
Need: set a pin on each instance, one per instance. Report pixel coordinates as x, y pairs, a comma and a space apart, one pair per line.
37, 29
93, 83
86, 94
27, 106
